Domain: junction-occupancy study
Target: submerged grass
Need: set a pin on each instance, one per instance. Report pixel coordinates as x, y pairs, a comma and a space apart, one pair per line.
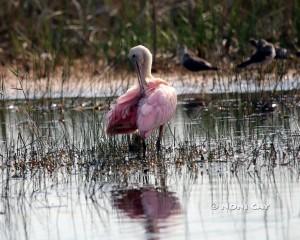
56, 159
43, 140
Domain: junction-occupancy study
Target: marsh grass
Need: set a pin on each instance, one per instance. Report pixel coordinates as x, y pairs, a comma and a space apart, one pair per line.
38, 138
104, 31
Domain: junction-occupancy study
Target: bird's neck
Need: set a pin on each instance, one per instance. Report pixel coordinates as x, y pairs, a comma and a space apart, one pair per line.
184, 57
146, 72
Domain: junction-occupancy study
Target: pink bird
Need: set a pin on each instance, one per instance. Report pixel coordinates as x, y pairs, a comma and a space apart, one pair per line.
146, 106
153, 206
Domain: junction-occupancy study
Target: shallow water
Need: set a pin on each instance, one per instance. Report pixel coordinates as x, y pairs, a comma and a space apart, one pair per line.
225, 172
107, 85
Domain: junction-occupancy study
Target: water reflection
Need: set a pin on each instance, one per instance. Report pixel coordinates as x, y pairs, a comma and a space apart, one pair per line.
152, 205
63, 179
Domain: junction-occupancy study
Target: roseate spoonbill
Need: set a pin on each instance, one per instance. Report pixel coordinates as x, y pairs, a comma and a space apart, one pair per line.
264, 54
146, 106
193, 63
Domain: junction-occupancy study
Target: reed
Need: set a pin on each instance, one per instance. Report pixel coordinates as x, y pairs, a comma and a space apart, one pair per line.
106, 30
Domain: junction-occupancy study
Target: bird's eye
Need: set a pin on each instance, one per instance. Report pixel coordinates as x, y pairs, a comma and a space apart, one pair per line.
133, 56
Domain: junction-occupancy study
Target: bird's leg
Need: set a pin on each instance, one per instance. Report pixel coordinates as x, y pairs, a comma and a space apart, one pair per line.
144, 148
261, 76
158, 142
213, 83
134, 143
128, 142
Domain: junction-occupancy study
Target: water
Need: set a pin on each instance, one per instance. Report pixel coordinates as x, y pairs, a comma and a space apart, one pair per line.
106, 85
226, 172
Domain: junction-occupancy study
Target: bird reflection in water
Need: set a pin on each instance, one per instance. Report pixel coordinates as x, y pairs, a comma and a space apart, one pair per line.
148, 203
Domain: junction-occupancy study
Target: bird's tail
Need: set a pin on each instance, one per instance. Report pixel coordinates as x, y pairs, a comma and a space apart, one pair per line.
244, 64
214, 68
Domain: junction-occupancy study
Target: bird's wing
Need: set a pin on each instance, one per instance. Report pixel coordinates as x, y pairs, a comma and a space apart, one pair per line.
264, 52
156, 109
202, 61
197, 63
258, 56
122, 116
131, 94
269, 50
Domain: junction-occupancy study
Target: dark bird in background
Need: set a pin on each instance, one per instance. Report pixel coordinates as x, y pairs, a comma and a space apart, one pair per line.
280, 53
194, 63
230, 47
264, 54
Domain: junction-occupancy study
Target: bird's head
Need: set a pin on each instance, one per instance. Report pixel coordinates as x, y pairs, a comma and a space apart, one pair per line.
254, 42
141, 59
140, 54
262, 43
258, 43
182, 52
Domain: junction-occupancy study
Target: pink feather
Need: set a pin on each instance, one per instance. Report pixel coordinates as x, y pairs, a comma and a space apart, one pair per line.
133, 111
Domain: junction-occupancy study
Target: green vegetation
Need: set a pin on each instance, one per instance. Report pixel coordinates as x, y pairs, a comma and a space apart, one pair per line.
105, 29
